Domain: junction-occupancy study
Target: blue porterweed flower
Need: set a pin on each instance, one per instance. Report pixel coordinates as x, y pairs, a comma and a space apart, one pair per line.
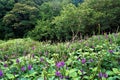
1, 73
83, 61
60, 64
17, 60
29, 67
23, 68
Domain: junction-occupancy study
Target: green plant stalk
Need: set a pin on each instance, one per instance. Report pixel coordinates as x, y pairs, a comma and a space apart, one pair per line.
98, 68
98, 29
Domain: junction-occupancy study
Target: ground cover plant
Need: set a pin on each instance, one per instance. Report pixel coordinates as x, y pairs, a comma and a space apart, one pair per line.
95, 58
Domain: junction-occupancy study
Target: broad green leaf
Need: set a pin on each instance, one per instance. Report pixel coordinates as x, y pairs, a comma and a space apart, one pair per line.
109, 72
72, 73
10, 76
115, 70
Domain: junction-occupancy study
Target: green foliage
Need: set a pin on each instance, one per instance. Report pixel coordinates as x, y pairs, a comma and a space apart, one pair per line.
45, 29
42, 31
5, 6
99, 52
20, 19
50, 9
89, 17
67, 23
106, 13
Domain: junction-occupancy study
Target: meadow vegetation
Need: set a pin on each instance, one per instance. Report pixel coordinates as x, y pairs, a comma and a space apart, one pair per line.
59, 39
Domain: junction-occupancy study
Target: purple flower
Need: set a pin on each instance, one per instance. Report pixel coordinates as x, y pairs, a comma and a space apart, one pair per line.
46, 53
91, 60
41, 59
33, 55
17, 60
83, 61
33, 48
81, 41
82, 71
60, 64
110, 51
58, 73
105, 75
29, 67
23, 68
93, 46
67, 77
100, 75
5, 65
61, 77
1, 73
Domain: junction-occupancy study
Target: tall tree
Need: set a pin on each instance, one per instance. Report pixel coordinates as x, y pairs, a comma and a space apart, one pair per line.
5, 7
20, 19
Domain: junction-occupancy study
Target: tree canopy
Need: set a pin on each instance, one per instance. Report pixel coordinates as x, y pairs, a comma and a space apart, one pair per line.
50, 19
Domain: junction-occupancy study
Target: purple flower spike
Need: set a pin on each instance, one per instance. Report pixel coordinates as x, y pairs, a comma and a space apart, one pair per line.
61, 77
29, 67
5, 65
105, 75
23, 68
33, 48
67, 77
41, 59
1, 73
91, 60
17, 60
58, 73
82, 71
110, 51
33, 55
60, 64
83, 61
100, 75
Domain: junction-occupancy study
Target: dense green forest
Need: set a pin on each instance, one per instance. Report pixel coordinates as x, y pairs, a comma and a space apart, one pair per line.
59, 39
50, 19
